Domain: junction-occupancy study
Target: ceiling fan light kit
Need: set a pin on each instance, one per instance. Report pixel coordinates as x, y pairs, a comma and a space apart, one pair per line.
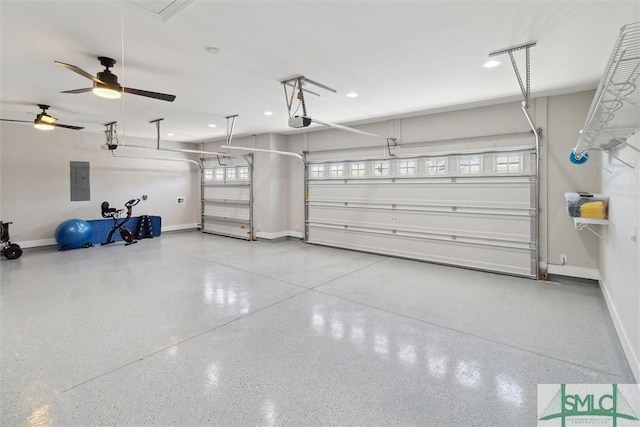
42, 125
45, 118
105, 91
105, 83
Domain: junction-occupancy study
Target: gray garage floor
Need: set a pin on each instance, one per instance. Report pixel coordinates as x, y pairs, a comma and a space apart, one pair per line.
196, 329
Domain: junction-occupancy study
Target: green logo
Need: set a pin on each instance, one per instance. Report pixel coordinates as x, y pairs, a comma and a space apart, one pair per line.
586, 402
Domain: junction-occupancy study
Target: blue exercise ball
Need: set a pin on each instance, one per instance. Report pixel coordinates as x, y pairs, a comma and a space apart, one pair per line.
74, 233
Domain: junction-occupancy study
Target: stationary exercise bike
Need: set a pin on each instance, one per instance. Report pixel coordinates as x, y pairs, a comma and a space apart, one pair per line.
9, 250
113, 213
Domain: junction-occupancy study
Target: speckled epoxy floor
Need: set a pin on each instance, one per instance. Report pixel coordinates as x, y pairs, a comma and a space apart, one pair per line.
196, 329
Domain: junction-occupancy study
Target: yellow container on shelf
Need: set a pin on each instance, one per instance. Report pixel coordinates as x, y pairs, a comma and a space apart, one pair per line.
595, 210
586, 205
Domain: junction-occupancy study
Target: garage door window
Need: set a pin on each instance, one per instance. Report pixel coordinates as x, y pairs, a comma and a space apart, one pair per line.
437, 166
508, 163
317, 171
407, 167
243, 173
381, 168
469, 164
337, 170
357, 169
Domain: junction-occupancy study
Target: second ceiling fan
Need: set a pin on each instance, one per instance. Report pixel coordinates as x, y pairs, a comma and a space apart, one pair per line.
44, 121
105, 83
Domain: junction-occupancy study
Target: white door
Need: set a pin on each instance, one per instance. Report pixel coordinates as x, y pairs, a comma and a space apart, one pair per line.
471, 210
227, 206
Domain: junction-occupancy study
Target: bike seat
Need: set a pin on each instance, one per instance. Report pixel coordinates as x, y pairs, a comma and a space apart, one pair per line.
108, 212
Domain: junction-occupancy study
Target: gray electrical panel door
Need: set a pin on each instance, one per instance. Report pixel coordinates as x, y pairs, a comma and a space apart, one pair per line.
80, 189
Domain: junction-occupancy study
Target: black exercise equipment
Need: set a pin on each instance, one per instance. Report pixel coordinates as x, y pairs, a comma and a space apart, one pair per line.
113, 213
144, 229
9, 250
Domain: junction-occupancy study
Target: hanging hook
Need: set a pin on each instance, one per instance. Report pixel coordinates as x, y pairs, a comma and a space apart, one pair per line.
157, 122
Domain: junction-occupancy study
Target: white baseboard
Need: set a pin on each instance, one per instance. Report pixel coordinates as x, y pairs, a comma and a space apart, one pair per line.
278, 235
180, 227
37, 243
567, 270
632, 357
52, 242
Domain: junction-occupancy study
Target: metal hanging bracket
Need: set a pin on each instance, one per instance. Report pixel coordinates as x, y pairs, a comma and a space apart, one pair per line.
524, 87
157, 122
112, 135
296, 121
231, 124
296, 84
297, 92
612, 146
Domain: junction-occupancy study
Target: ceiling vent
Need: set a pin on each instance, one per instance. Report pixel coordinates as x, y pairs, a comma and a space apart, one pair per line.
165, 9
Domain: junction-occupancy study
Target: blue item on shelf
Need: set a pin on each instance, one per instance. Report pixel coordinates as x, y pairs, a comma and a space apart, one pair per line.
578, 161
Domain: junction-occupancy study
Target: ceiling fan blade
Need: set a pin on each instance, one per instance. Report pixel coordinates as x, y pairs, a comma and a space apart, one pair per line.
155, 95
88, 89
68, 126
79, 71
18, 121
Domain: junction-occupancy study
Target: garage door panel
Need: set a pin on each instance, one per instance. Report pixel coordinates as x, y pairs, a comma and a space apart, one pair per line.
486, 221
516, 194
227, 211
226, 228
231, 192
506, 226
508, 260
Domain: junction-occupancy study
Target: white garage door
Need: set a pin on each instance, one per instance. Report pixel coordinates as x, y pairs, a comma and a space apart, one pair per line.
473, 210
227, 202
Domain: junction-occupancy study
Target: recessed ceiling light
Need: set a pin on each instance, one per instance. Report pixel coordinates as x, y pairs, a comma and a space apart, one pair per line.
491, 63
268, 113
212, 125
171, 134
213, 50
352, 95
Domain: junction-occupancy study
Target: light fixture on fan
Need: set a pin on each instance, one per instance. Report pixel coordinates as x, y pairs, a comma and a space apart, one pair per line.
105, 91
44, 121
42, 125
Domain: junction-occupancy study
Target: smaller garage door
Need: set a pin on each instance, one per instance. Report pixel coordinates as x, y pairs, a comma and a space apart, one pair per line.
227, 202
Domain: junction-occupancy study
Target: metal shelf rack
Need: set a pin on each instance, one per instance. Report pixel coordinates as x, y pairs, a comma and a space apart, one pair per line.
588, 223
615, 111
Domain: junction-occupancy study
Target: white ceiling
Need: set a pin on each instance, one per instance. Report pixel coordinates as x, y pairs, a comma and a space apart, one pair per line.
400, 56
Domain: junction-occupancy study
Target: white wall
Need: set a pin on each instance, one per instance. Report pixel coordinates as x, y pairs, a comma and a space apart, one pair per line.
35, 187
619, 252
566, 115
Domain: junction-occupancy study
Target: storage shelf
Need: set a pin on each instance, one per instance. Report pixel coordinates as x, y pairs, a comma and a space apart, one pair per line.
615, 109
588, 223
577, 221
